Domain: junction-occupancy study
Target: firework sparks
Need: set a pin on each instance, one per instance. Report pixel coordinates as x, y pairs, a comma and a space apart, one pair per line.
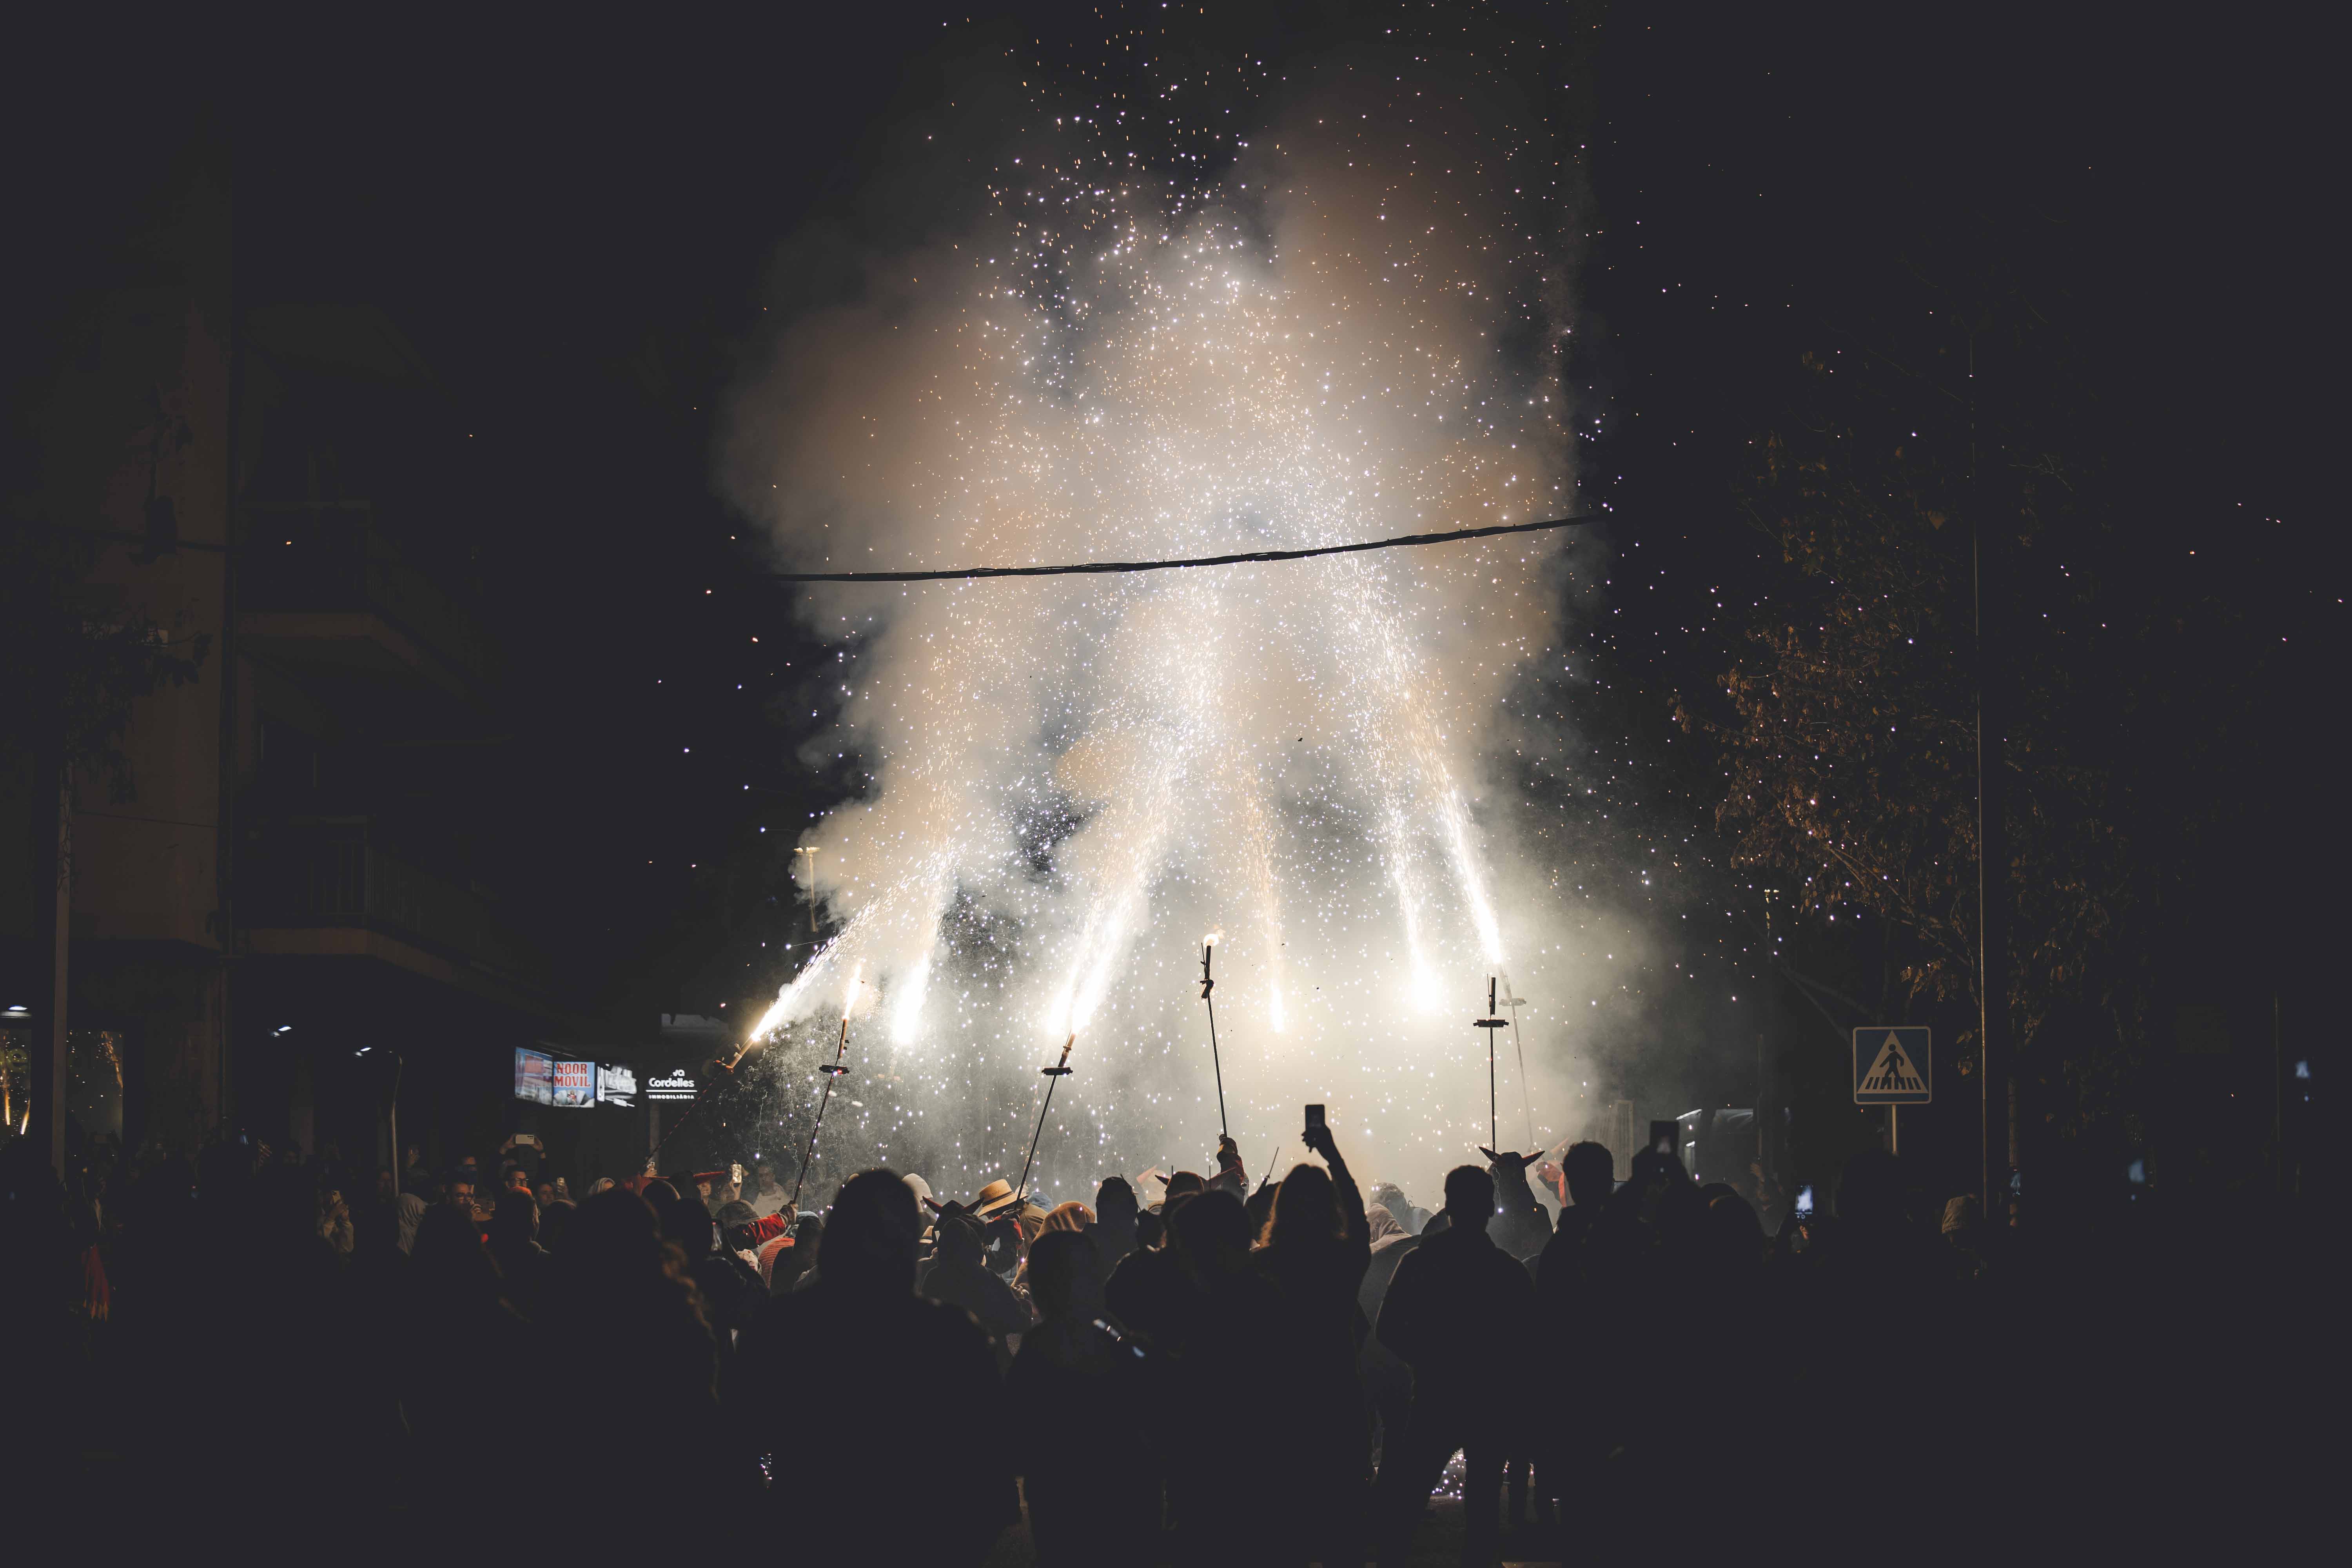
1309, 349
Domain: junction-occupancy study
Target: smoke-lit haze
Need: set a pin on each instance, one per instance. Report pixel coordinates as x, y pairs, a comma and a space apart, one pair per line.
1353, 331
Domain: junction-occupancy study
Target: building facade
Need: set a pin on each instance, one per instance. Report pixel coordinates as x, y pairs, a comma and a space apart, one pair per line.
294, 915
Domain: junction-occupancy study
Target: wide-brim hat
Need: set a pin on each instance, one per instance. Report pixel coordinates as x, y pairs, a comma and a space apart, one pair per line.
994, 1199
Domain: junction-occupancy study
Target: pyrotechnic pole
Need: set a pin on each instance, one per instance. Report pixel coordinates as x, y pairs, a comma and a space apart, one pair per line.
810, 850
1527, 1105
1490, 1024
832, 1071
1208, 985
1053, 1075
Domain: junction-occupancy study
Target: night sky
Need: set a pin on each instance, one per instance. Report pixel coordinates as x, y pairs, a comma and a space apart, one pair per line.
579, 225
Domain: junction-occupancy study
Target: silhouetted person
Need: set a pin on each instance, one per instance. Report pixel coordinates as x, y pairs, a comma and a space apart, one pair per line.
767, 1195
733, 1220
1388, 1381
1318, 1244
796, 1265
468, 1360
616, 1281
1590, 1172
1964, 1234
415, 1175
1003, 1244
514, 1244
1224, 1388
1521, 1225
40, 1312
1566, 1332
553, 1217
1732, 1239
1077, 1412
837, 1381
1390, 1241
1116, 1212
1149, 1293
1071, 1217
1259, 1206
409, 1211
731, 1290
1389, 1196
1461, 1312
369, 1321
1232, 1176
960, 1277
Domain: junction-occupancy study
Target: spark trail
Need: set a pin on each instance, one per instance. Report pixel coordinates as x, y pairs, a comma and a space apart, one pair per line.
1350, 329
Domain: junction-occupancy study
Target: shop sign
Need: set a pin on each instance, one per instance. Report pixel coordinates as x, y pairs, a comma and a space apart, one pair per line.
534, 1076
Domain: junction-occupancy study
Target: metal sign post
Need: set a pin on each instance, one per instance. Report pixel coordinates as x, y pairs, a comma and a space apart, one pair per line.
1893, 1066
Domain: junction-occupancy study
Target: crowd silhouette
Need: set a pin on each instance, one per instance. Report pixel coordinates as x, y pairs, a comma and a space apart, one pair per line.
1282, 1376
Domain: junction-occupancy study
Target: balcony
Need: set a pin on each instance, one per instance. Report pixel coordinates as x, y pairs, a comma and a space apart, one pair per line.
322, 587
324, 889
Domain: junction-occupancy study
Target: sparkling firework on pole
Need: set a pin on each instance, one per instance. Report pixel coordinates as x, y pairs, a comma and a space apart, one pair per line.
1490, 1024
1208, 947
809, 851
1054, 1074
1527, 1105
832, 1071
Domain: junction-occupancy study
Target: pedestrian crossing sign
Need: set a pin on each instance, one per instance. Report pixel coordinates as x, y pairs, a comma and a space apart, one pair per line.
1891, 1066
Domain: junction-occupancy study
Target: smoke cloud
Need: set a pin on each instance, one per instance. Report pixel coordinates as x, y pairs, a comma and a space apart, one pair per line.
1352, 331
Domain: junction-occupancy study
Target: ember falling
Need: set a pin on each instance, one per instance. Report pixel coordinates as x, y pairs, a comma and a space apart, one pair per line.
1353, 330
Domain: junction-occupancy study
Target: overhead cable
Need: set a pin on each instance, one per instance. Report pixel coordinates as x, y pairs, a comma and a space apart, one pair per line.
1243, 558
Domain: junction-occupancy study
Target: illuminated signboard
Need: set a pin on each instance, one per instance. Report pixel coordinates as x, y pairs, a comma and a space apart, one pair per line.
680, 1085
616, 1084
534, 1076
576, 1083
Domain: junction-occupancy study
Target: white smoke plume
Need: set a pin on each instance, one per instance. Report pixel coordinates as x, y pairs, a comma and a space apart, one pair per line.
1352, 333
